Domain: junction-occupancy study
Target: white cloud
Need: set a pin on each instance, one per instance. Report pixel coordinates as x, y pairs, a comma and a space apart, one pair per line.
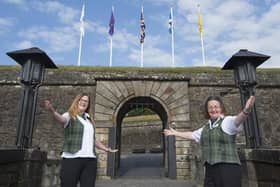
5, 24
56, 40
227, 28
64, 13
161, 2
152, 57
271, 18
19, 4
124, 40
269, 2
16, 2
24, 44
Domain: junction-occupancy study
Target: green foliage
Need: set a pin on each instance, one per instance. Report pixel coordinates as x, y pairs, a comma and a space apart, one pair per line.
5, 67
140, 111
124, 69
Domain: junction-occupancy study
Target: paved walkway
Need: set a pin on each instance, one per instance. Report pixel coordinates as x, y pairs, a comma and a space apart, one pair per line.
142, 170
141, 165
144, 183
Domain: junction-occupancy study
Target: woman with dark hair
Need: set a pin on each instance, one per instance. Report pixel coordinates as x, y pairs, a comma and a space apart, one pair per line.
79, 162
217, 141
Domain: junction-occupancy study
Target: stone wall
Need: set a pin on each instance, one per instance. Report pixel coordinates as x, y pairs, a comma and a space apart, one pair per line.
61, 87
267, 100
20, 168
142, 136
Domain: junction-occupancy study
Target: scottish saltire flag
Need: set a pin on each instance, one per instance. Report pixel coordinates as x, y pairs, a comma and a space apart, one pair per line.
112, 23
170, 22
82, 29
142, 26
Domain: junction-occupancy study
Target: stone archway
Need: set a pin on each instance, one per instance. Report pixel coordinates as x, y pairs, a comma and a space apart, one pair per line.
158, 108
170, 98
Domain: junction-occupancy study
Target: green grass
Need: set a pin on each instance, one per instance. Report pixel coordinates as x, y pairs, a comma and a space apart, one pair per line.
5, 67
141, 118
123, 69
138, 69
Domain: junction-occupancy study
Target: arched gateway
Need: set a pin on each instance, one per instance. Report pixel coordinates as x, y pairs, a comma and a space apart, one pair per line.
167, 98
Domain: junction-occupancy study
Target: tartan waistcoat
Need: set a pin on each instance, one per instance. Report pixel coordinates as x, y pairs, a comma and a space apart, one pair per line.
218, 146
73, 135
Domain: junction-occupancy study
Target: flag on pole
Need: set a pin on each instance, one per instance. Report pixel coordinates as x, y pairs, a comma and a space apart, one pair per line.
82, 29
171, 31
201, 35
170, 22
111, 32
82, 32
199, 21
112, 23
142, 26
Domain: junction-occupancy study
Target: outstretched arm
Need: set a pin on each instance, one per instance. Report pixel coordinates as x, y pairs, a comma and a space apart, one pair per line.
240, 118
171, 131
101, 146
58, 117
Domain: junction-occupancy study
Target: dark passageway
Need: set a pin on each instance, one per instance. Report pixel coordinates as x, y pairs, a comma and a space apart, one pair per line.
147, 165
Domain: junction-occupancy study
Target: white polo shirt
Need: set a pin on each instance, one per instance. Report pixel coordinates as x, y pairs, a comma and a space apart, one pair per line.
86, 150
228, 126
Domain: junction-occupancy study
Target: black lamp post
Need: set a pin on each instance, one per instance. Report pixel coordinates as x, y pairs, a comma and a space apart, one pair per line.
33, 62
244, 64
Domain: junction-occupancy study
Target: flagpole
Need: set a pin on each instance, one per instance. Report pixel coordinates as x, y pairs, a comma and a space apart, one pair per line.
172, 38
142, 50
82, 32
202, 49
80, 50
201, 35
111, 50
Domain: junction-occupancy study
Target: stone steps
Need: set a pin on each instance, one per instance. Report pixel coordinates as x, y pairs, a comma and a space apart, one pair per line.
144, 182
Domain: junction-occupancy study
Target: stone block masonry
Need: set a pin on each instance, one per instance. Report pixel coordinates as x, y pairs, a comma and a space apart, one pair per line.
176, 89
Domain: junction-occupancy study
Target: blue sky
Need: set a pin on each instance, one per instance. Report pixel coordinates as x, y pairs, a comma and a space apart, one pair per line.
228, 26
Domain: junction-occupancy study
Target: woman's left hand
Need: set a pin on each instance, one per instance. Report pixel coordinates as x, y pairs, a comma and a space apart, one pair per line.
249, 103
112, 150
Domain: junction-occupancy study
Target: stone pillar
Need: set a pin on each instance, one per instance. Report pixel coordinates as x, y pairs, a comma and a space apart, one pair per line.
21, 168
260, 167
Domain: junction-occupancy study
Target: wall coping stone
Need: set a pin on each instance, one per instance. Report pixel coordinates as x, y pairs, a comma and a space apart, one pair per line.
261, 155
8, 155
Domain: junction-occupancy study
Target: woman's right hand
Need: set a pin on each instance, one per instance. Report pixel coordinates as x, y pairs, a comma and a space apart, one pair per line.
58, 117
49, 106
168, 132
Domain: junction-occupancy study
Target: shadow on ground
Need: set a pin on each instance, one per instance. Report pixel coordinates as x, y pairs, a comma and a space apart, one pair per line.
142, 170
144, 165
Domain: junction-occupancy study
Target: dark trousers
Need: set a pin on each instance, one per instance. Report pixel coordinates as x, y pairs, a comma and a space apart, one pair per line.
222, 175
74, 170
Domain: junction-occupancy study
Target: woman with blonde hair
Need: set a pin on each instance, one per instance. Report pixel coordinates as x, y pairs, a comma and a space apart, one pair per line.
79, 163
